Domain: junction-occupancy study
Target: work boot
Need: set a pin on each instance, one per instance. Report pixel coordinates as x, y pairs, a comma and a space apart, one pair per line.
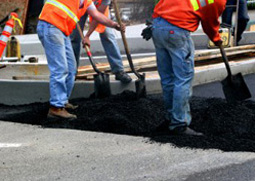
123, 77
55, 112
71, 106
183, 130
163, 129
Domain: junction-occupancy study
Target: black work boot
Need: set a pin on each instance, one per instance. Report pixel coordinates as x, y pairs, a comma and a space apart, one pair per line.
123, 77
184, 130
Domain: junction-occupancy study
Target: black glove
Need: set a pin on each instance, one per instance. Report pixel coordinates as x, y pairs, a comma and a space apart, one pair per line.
147, 32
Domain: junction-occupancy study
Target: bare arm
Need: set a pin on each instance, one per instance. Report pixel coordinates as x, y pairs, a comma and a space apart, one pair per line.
101, 18
94, 23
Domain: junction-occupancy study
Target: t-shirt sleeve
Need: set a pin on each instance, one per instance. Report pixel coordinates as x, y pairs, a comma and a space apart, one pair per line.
91, 6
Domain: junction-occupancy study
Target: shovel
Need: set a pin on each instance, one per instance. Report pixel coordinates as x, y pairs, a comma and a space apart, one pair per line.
234, 86
140, 82
102, 80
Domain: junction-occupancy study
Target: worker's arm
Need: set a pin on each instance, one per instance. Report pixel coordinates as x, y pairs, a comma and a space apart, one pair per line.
94, 23
101, 18
210, 21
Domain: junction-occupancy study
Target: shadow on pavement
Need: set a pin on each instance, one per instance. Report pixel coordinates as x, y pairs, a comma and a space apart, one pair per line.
226, 127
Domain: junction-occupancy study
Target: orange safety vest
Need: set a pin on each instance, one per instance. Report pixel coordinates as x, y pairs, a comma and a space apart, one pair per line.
101, 28
187, 14
64, 14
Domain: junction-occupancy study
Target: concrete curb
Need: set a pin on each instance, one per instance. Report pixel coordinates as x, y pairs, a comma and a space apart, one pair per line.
30, 44
20, 92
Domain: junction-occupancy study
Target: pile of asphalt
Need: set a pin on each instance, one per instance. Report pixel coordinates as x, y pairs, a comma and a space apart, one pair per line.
229, 127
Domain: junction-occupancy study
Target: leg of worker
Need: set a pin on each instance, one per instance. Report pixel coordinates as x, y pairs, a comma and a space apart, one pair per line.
228, 12
183, 67
53, 41
165, 69
112, 50
72, 68
180, 48
243, 19
164, 64
76, 39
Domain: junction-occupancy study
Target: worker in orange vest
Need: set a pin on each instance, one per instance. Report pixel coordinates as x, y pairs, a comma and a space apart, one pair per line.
172, 23
56, 22
108, 41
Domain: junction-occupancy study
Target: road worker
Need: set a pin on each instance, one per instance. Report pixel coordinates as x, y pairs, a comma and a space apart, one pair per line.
56, 22
108, 41
172, 23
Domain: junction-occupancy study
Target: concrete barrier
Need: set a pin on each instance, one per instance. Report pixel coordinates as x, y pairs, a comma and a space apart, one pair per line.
20, 92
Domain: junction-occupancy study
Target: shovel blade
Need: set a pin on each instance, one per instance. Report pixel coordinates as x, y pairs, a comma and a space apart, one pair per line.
140, 87
235, 89
102, 85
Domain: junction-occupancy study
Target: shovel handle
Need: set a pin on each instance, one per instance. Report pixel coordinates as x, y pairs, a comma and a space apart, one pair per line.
124, 39
225, 59
87, 49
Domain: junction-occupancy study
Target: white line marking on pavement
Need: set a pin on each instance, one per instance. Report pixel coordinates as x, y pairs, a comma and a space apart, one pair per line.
10, 145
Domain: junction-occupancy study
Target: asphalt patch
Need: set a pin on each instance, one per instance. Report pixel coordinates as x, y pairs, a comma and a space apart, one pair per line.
228, 127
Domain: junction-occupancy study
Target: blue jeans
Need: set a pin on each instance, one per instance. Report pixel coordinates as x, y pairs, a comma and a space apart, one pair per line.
175, 61
243, 16
61, 62
109, 43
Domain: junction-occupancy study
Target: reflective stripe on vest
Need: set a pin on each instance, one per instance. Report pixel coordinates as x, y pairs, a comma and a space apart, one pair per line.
194, 4
64, 8
210, 1
202, 3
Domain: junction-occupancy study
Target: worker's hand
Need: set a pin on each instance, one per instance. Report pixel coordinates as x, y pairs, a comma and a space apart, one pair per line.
218, 43
120, 28
86, 41
147, 32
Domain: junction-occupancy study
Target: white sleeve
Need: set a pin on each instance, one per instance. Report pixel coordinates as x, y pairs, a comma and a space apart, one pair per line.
91, 6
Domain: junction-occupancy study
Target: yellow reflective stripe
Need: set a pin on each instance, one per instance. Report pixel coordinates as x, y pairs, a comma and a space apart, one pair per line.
194, 4
210, 1
64, 8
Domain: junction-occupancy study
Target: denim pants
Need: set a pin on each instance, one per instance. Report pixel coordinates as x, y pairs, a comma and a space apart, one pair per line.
109, 43
243, 16
175, 61
61, 62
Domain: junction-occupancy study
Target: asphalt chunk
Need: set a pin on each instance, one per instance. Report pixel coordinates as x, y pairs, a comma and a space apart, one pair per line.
228, 127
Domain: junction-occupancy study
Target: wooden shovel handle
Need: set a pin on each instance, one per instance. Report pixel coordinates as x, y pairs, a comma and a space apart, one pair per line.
124, 39
87, 49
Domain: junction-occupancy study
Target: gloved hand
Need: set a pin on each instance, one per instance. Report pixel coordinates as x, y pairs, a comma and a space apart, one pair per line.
147, 32
218, 43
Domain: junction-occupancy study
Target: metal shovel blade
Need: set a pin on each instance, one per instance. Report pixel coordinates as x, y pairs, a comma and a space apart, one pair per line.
235, 88
102, 85
140, 87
